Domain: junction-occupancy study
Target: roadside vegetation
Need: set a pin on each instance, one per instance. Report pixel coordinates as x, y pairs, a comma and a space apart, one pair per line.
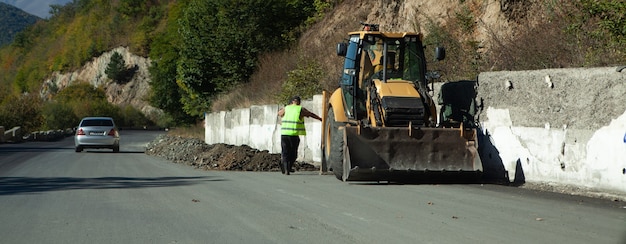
199, 49
209, 56
546, 34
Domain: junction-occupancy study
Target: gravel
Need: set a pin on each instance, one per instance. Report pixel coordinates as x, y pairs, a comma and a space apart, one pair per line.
196, 153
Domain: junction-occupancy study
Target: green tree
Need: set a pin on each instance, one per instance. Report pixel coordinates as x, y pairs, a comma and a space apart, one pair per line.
116, 70
220, 50
131, 8
164, 55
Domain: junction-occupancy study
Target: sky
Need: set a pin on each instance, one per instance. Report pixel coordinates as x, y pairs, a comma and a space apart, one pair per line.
39, 8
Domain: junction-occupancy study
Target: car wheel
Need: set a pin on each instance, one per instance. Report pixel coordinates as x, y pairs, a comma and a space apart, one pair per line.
78, 149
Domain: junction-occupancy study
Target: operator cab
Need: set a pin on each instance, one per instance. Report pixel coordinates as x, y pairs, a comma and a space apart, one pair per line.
373, 57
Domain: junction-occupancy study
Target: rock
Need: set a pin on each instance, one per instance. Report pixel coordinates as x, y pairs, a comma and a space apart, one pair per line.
134, 92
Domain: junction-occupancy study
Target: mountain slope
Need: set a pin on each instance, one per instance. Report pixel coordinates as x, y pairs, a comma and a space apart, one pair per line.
478, 36
40, 8
135, 92
12, 21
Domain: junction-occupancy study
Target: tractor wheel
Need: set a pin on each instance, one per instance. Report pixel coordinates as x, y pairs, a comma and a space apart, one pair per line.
333, 145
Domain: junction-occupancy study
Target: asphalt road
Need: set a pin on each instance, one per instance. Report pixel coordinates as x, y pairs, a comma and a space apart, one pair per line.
50, 194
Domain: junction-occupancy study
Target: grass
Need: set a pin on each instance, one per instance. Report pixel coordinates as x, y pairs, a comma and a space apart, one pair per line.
192, 131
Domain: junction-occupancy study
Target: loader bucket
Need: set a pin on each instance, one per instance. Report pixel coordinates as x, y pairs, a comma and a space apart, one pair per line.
410, 154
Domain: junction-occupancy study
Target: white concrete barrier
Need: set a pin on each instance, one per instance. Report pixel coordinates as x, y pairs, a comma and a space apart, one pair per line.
14, 134
258, 127
569, 131
562, 126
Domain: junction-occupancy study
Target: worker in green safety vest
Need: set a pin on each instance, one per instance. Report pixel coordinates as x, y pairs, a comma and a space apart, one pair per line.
292, 127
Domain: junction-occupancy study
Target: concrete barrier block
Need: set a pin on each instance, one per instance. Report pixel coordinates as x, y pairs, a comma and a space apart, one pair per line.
214, 127
263, 125
236, 127
14, 134
563, 126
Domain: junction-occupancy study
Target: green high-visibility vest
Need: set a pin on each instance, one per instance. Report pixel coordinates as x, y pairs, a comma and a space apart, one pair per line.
292, 125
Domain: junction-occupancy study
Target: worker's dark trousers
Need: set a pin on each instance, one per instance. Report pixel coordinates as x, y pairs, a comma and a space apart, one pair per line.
289, 146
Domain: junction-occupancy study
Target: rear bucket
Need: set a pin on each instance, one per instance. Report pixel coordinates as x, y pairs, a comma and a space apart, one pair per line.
408, 155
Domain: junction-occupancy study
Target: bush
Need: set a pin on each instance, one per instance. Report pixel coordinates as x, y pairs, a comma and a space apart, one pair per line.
303, 81
87, 100
462, 57
132, 117
22, 110
59, 116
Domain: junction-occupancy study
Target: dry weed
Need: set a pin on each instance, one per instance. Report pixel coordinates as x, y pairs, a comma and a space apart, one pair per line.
192, 131
264, 85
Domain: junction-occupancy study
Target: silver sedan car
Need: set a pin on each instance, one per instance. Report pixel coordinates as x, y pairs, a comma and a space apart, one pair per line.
97, 132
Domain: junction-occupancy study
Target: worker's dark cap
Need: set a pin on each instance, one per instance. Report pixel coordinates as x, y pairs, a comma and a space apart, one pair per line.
296, 98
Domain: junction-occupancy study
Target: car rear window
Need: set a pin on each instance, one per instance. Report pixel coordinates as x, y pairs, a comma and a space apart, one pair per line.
97, 122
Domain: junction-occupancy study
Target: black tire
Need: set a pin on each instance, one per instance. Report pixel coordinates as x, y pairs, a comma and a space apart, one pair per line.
78, 149
333, 145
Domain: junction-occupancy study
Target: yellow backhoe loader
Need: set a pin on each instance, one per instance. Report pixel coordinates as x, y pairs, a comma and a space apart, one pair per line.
381, 124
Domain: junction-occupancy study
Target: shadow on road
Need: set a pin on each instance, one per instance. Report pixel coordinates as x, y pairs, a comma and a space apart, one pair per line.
17, 149
4, 150
29, 185
109, 151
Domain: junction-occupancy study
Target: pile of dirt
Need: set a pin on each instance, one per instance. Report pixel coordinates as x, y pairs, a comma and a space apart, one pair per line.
196, 153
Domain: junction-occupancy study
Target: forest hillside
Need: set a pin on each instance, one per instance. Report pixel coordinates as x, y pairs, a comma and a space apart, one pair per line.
12, 21
261, 52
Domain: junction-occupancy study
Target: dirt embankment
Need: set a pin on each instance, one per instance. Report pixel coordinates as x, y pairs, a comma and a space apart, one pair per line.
198, 154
